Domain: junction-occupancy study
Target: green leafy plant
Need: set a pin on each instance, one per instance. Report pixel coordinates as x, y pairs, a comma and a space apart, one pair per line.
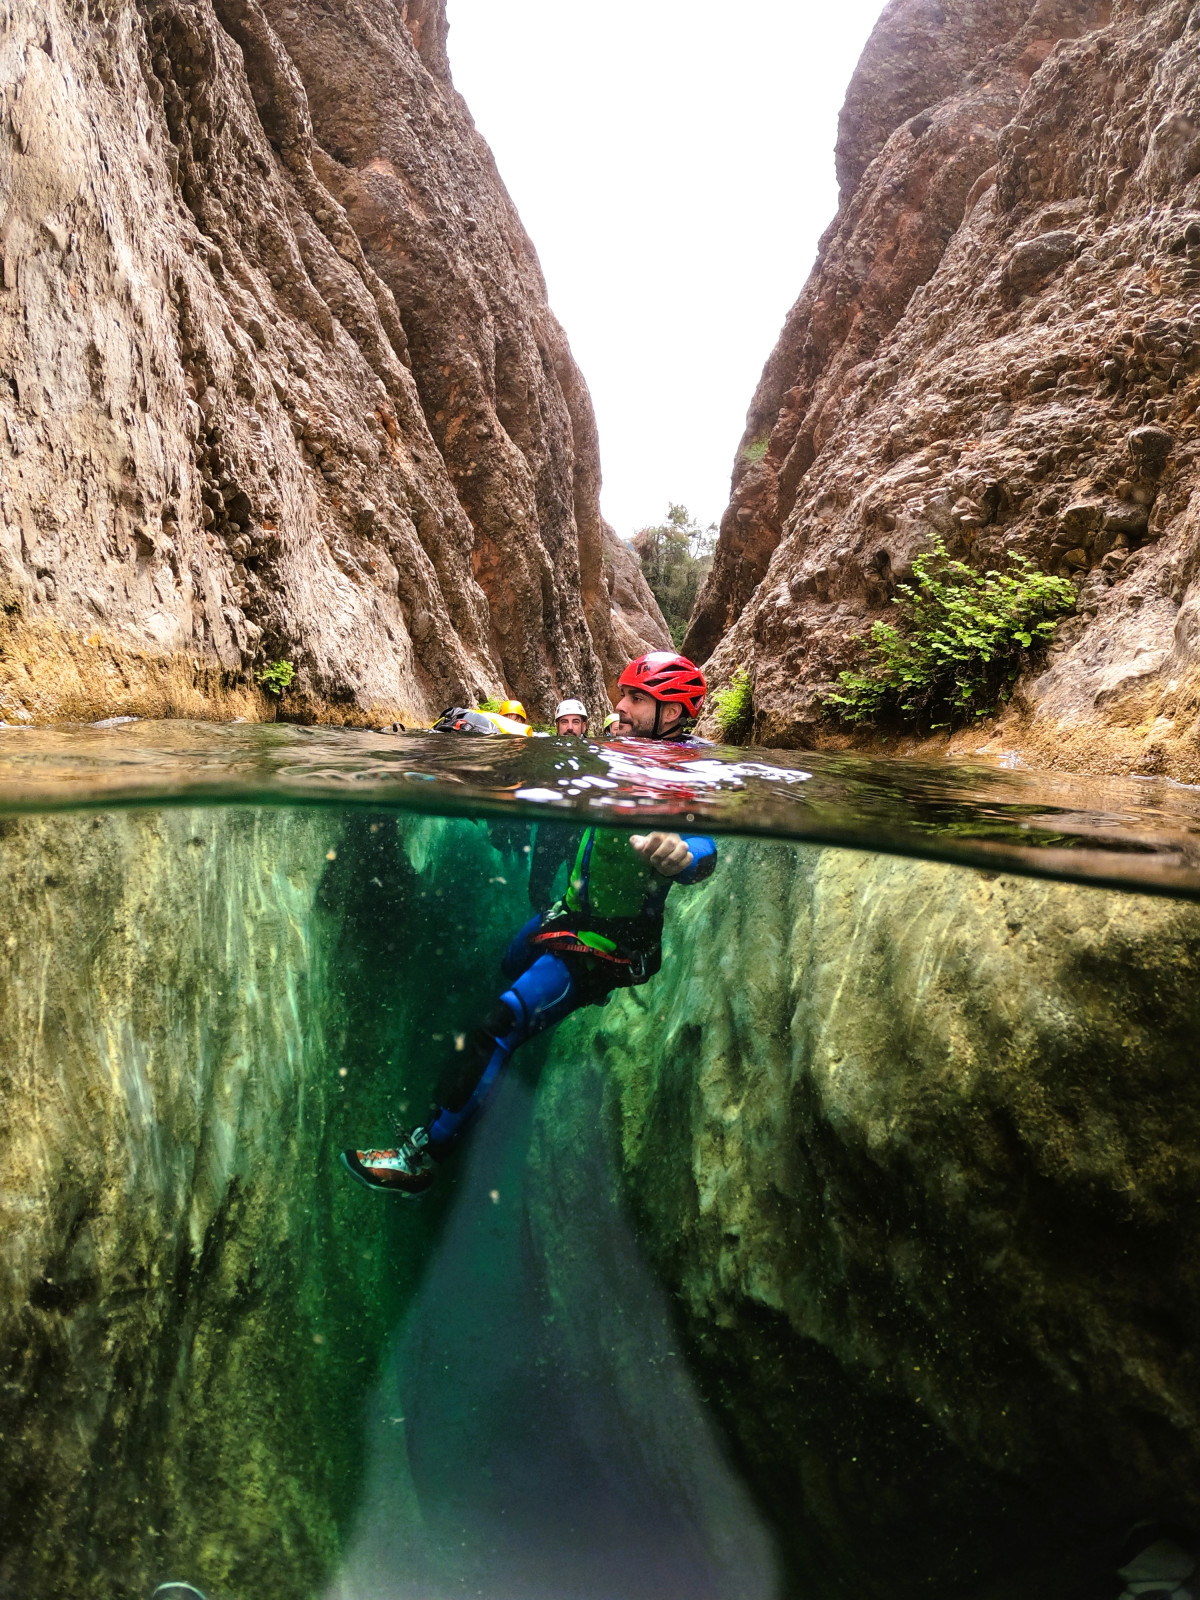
756, 449
964, 638
277, 676
735, 706
489, 705
675, 559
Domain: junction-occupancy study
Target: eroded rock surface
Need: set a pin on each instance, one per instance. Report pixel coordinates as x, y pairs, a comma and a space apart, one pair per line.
278, 378
1006, 302
915, 1149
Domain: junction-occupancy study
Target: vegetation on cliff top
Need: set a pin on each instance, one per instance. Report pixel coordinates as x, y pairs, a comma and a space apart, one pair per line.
964, 638
675, 558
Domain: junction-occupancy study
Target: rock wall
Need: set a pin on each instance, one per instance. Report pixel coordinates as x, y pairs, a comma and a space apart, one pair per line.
914, 1149
278, 378
999, 346
201, 1008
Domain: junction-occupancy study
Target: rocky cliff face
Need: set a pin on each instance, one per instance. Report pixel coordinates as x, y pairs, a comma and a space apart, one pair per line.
278, 378
912, 1148
999, 346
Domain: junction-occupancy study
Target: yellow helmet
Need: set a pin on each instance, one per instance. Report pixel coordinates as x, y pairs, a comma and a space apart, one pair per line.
513, 708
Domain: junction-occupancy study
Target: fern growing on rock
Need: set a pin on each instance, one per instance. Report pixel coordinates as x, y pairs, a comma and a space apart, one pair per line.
963, 639
735, 707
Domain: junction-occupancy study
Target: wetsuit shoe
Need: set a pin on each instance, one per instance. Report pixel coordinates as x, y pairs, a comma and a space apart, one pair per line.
1161, 1567
406, 1170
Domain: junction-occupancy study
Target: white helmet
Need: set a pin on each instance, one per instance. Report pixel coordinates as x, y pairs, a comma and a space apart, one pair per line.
571, 708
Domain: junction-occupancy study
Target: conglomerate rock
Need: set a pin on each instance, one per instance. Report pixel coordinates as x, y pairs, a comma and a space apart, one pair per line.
914, 1149
999, 346
278, 378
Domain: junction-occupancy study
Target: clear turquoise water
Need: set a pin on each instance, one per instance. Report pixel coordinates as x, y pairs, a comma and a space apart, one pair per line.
232, 950
1141, 833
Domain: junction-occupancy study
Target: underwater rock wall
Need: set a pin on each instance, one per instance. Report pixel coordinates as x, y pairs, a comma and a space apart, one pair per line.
999, 346
278, 378
914, 1149
167, 1078
201, 1008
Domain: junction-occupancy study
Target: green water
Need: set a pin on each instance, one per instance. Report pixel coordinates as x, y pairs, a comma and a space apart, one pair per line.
856, 1253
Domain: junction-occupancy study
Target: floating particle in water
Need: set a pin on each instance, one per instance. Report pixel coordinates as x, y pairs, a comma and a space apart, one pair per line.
494, 1196
460, 1041
331, 855
342, 1071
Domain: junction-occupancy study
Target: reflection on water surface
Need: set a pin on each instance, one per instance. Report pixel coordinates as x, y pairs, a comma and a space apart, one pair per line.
1144, 833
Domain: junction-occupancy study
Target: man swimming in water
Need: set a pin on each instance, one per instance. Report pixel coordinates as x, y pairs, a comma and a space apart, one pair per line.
605, 934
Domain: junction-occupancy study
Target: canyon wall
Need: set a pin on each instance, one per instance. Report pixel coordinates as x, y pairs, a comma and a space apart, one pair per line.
912, 1149
278, 378
999, 346
202, 1007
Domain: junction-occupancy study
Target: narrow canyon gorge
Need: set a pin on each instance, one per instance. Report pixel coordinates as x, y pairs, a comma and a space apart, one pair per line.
855, 1254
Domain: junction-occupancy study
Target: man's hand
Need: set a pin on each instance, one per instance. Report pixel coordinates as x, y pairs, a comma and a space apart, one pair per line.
666, 852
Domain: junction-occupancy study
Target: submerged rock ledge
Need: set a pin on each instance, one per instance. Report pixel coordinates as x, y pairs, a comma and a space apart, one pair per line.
910, 1150
914, 1149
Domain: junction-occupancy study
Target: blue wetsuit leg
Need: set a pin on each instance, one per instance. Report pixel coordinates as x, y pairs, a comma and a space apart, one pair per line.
520, 953
543, 994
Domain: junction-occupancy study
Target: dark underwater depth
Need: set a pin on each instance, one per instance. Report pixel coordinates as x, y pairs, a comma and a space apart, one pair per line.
855, 1253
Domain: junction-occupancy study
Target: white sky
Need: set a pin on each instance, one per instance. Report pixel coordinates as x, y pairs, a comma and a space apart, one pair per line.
673, 164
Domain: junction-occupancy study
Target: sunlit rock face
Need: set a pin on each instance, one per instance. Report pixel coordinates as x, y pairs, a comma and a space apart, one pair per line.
279, 378
997, 347
915, 1150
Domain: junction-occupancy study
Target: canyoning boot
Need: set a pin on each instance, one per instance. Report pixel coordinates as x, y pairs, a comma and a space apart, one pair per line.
406, 1170
1159, 1565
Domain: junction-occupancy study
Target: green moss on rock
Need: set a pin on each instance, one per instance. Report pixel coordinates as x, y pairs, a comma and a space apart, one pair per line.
915, 1149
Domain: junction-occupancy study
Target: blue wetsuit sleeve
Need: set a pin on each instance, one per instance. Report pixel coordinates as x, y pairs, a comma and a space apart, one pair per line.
704, 858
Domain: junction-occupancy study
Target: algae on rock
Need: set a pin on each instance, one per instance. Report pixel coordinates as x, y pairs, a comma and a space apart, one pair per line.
915, 1148
202, 1006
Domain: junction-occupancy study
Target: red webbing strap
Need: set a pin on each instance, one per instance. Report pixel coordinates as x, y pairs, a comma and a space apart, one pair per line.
573, 946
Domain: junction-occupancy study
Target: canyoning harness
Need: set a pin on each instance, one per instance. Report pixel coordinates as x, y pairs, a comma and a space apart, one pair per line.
625, 959
611, 917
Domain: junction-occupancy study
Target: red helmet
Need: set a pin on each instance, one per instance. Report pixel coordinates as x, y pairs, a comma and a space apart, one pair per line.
669, 678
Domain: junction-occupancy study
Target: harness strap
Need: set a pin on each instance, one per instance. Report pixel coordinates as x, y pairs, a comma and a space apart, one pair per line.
566, 942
